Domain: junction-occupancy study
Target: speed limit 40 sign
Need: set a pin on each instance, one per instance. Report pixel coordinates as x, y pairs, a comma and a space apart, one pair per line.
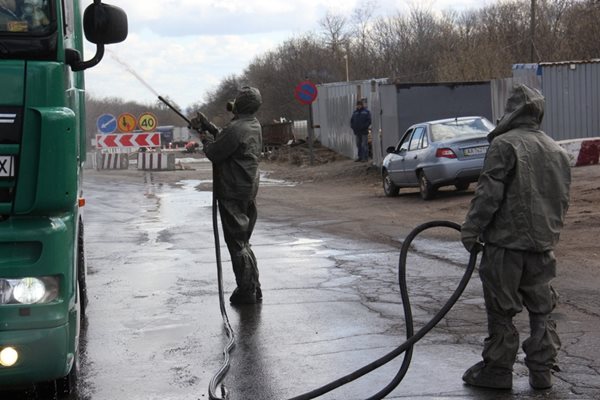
147, 122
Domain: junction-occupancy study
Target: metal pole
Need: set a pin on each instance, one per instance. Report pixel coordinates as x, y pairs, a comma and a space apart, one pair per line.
532, 32
310, 135
347, 74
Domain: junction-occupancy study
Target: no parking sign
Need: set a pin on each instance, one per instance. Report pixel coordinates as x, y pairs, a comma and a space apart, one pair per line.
306, 92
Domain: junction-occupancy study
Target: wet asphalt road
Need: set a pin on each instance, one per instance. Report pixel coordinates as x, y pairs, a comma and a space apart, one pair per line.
331, 305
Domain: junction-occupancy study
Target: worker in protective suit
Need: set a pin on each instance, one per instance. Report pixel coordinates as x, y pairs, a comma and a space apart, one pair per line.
235, 152
517, 213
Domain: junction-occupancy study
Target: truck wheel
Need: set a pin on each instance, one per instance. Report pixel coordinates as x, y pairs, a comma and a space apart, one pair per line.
462, 186
67, 385
389, 189
426, 188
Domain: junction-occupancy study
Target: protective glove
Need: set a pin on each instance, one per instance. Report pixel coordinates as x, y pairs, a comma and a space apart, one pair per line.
199, 122
206, 138
470, 240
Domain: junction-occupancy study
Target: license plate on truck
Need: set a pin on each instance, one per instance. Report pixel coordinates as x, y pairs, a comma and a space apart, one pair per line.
7, 169
475, 151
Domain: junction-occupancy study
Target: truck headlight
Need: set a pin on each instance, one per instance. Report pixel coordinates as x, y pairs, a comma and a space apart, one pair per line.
30, 290
8, 357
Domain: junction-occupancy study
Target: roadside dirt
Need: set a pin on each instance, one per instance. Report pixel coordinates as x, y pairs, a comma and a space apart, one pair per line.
343, 197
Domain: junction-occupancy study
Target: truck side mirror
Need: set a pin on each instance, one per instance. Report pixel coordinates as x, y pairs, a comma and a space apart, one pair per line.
102, 24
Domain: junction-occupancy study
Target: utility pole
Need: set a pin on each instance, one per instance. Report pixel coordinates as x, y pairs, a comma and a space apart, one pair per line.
532, 32
347, 74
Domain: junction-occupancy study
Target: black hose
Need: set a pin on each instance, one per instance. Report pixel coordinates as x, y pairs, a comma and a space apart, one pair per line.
411, 339
218, 377
406, 347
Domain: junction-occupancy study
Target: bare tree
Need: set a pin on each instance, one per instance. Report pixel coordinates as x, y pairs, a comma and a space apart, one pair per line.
420, 46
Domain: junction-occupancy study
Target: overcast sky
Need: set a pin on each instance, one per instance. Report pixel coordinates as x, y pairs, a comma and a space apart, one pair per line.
183, 48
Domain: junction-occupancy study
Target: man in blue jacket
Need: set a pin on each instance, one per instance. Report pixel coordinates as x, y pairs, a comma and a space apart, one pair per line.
360, 123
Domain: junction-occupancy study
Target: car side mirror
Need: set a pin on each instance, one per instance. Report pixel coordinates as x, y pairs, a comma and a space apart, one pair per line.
390, 149
102, 24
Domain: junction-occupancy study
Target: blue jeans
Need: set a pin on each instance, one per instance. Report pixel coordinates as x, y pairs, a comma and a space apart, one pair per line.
362, 144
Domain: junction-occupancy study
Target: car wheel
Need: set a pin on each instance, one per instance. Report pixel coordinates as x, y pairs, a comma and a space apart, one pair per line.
426, 188
389, 188
462, 186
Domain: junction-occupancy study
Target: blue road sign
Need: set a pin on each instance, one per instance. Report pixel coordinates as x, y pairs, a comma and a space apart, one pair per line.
106, 123
306, 92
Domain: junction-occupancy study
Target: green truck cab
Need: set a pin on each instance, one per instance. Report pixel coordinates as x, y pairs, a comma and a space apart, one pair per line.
42, 150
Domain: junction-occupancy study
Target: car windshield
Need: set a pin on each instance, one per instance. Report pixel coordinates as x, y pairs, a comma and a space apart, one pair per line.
24, 16
459, 128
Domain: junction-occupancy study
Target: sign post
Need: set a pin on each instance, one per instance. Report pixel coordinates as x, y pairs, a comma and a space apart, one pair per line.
306, 93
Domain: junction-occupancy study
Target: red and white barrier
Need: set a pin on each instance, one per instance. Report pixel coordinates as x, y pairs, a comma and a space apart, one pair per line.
156, 161
582, 151
112, 161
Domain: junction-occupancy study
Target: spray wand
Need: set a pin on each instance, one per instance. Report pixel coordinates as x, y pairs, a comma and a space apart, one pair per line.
172, 107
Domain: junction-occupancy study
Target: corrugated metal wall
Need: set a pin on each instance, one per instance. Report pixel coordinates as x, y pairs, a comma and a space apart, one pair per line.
332, 111
526, 74
385, 113
572, 92
426, 102
403, 105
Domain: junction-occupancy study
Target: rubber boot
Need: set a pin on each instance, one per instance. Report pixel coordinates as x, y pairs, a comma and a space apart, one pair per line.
239, 297
541, 350
540, 380
492, 378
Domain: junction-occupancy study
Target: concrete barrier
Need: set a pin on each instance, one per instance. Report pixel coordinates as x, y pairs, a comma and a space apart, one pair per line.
582, 151
90, 160
156, 161
112, 161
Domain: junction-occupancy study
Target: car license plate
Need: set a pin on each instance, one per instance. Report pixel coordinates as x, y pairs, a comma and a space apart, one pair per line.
7, 166
475, 151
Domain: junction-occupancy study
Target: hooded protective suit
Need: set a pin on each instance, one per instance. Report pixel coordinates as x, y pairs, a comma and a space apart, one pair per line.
518, 210
235, 152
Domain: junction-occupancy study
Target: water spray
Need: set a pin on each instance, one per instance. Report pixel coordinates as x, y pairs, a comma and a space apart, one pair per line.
128, 68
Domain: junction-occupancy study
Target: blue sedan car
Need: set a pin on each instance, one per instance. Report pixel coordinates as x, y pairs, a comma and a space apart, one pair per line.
437, 153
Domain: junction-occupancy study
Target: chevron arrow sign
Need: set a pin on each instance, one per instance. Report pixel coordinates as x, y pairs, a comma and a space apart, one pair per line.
127, 141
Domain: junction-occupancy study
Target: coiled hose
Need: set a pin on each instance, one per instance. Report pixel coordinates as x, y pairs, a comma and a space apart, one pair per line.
411, 337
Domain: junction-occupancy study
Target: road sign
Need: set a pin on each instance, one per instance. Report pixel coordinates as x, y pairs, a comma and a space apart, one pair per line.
106, 123
124, 142
126, 122
306, 92
147, 122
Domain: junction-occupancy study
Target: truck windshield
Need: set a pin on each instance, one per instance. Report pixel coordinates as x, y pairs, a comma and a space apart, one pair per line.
28, 30
24, 17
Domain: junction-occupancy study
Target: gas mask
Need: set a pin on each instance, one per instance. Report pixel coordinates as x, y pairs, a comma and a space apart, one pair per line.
230, 105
